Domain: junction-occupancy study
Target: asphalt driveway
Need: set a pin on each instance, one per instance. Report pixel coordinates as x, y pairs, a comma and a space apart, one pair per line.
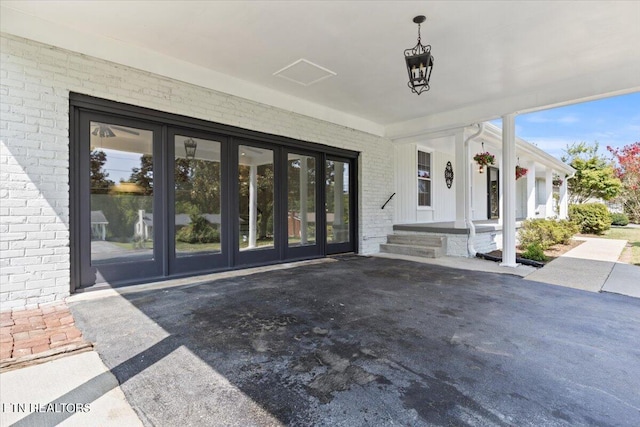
371, 341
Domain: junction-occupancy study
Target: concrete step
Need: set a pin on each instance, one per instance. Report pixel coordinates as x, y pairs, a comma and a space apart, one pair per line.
418, 251
417, 240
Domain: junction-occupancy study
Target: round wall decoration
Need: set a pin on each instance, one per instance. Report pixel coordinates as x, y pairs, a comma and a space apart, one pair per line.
448, 175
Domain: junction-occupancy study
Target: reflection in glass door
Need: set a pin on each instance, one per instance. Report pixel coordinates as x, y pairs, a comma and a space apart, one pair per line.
301, 200
493, 193
198, 194
338, 201
256, 187
121, 194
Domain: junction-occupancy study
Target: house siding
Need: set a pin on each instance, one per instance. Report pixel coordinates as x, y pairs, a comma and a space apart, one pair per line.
36, 80
406, 200
443, 200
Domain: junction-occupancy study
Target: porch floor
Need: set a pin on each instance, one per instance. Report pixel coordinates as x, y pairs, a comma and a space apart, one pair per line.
449, 227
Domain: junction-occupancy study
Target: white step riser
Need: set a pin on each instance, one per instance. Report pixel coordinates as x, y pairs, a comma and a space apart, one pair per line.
417, 251
427, 241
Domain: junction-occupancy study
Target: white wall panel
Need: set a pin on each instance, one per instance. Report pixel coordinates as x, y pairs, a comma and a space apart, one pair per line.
406, 202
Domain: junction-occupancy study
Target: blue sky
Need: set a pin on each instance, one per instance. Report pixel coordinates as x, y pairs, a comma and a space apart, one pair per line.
612, 121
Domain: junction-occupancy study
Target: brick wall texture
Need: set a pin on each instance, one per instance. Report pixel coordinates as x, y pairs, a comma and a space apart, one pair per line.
35, 81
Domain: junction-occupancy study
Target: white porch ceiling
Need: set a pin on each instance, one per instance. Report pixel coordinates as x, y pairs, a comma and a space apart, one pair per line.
491, 57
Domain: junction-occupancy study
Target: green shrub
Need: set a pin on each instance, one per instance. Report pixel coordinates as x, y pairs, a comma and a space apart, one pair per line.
565, 230
198, 231
534, 252
592, 218
619, 219
546, 232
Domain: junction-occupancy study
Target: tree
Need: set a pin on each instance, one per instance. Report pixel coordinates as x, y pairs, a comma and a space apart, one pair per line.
628, 171
207, 188
100, 184
143, 176
595, 176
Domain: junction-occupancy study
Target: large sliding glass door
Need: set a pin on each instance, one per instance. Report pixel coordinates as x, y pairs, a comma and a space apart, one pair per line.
257, 231
197, 222
339, 198
303, 218
118, 200
157, 196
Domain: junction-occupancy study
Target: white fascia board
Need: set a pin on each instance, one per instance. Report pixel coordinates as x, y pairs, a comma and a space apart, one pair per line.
29, 27
494, 136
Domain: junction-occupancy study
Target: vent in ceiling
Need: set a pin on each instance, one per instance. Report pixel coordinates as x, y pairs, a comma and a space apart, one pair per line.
304, 72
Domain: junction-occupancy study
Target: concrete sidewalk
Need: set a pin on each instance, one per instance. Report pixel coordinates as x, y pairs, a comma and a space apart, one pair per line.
590, 267
624, 279
77, 390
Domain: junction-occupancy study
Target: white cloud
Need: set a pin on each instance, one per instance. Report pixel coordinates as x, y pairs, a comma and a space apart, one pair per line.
568, 120
541, 118
553, 146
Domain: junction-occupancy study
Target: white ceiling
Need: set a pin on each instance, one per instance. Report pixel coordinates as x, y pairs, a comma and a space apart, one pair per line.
491, 57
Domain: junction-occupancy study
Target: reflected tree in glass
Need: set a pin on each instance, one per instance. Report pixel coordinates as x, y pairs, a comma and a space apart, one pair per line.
197, 198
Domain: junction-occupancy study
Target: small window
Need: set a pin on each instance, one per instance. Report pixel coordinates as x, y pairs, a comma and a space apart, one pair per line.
424, 179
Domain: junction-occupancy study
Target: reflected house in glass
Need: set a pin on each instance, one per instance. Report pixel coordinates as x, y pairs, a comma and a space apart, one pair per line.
98, 225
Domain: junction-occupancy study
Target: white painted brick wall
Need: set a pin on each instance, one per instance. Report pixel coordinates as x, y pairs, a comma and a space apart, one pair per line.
457, 243
35, 81
488, 242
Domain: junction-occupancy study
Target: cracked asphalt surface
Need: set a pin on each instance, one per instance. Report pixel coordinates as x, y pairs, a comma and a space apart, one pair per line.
368, 342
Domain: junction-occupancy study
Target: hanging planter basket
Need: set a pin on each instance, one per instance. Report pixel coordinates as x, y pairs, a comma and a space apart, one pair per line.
520, 172
484, 159
557, 182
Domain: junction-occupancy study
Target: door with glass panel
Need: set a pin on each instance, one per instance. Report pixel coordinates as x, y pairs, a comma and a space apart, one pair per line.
120, 209
493, 193
303, 218
197, 224
339, 199
257, 232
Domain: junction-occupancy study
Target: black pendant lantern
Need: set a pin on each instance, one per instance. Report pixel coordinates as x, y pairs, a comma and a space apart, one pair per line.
419, 63
190, 148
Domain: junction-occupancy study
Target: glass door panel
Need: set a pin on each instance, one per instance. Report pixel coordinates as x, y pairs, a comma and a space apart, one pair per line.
493, 191
121, 194
256, 193
198, 194
338, 202
301, 200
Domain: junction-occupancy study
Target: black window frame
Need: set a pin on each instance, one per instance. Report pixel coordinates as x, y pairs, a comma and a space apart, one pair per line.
164, 123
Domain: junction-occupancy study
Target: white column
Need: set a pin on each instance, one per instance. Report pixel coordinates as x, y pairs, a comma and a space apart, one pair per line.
253, 204
508, 178
531, 190
303, 200
564, 200
548, 185
462, 176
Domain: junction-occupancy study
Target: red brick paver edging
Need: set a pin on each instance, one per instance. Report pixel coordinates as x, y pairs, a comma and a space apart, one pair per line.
48, 330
